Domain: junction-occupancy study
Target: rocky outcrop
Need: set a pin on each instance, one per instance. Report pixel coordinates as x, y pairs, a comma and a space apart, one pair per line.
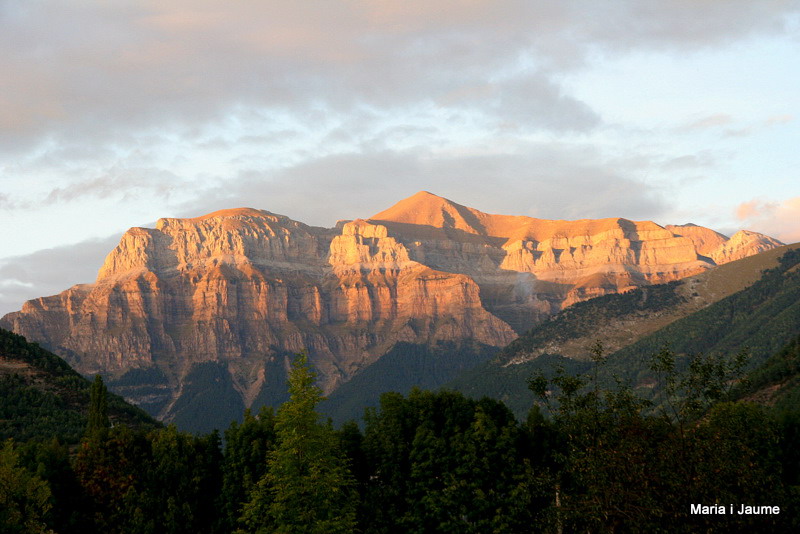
705, 240
721, 249
246, 288
743, 244
530, 268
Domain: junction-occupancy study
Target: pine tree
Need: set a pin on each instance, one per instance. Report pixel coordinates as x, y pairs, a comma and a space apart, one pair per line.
308, 487
97, 428
246, 448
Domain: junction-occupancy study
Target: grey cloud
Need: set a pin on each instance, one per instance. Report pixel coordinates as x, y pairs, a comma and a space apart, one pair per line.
11, 203
319, 191
688, 162
122, 183
682, 24
548, 181
532, 99
551, 181
50, 271
98, 71
5, 202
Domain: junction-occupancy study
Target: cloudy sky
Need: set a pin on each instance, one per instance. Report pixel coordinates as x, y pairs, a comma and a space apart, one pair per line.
113, 114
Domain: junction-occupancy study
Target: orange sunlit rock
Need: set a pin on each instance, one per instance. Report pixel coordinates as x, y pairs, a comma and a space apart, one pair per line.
242, 285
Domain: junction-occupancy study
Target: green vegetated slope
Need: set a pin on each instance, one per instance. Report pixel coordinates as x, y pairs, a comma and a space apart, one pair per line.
508, 384
208, 399
776, 382
572, 332
726, 309
43, 397
762, 318
404, 367
583, 320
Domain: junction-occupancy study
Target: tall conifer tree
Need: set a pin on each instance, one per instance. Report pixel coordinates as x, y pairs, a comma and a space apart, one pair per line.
308, 487
97, 428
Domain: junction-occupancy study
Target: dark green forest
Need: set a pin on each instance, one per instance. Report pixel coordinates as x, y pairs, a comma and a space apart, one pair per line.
603, 460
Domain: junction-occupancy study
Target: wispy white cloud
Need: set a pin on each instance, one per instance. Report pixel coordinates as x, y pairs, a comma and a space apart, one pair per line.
701, 160
779, 120
755, 127
5, 202
119, 184
730, 126
711, 121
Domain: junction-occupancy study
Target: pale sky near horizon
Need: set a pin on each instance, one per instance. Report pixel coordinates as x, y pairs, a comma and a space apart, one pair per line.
114, 114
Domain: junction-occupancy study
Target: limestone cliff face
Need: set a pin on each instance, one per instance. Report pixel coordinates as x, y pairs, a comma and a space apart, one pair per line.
743, 244
721, 249
246, 288
530, 268
705, 240
373, 280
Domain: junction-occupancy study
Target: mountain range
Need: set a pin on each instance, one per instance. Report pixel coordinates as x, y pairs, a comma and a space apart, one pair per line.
198, 318
752, 304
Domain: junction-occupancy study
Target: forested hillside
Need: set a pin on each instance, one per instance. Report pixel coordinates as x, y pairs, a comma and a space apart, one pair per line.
761, 318
776, 382
572, 330
404, 367
426, 462
43, 396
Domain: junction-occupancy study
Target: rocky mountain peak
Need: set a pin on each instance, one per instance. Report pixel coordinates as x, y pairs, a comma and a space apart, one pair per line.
427, 209
706, 241
742, 244
235, 236
233, 293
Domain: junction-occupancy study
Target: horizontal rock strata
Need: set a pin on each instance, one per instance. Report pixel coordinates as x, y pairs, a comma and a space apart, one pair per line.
247, 288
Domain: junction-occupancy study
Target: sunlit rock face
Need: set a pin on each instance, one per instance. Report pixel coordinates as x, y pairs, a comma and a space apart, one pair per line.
246, 288
530, 268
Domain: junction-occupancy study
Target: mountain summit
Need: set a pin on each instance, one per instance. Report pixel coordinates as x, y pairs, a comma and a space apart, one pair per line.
202, 315
427, 209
